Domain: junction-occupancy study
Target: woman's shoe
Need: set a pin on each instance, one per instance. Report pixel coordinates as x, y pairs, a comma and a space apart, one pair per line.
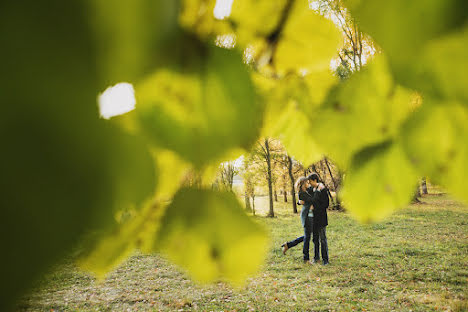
285, 248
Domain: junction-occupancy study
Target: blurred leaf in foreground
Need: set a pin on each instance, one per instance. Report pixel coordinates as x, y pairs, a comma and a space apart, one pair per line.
308, 41
198, 16
64, 173
403, 28
436, 141
369, 107
55, 178
202, 113
130, 36
380, 180
284, 117
136, 233
441, 69
208, 233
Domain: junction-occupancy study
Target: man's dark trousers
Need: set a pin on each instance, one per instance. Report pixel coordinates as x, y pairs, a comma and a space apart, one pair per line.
320, 238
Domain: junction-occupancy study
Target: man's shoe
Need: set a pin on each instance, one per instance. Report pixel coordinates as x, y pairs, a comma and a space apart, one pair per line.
307, 262
326, 263
316, 260
285, 248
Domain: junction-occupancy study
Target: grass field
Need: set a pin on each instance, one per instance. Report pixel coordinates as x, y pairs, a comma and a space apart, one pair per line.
415, 261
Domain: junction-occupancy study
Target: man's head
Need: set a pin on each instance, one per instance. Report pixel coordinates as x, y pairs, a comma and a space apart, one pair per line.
313, 179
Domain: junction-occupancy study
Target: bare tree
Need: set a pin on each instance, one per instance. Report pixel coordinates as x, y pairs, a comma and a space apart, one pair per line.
358, 46
227, 171
424, 186
264, 154
291, 179
247, 181
417, 194
285, 192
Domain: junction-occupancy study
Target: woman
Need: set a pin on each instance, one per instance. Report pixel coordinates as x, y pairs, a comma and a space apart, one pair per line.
306, 218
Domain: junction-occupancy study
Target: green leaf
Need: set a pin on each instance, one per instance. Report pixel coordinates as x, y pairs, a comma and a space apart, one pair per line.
369, 107
171, 169
308, 41
53, 160
131, 170
137, 233
293, 129
200, 114
130, 36
435, 139
402, 28
64, 172
380, 180
284, 117
441, 71
197, 16
256, 18
208, 233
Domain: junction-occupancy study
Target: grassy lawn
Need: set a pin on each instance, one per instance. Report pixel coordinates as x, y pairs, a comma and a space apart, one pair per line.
415, 261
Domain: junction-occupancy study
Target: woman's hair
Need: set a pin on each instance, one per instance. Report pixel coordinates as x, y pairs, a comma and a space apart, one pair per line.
300, 182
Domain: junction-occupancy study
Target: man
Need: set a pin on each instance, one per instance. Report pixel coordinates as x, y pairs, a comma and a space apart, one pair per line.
320, 203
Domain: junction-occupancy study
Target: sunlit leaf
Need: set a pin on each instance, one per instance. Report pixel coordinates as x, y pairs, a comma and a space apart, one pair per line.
208, 233
171, 170
137, 233
285, 119
308, 41
435, 139
318, 84
198, 16
203, 114
380, 180
441, 69
365, 110
402, 28
256, 19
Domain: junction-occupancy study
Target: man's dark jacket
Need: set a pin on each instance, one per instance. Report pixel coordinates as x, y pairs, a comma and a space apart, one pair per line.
320, 203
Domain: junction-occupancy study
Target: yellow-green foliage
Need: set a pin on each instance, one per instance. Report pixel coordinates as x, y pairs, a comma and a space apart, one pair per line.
68, 174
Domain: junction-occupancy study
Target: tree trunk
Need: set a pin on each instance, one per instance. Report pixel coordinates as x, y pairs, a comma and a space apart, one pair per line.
424, 185
275, 193
335, 186
285, 193
253, 204
247, 202
293, 190
417, 194
271, 213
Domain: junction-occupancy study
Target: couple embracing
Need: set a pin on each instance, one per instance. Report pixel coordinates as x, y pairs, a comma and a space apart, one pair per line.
313, 196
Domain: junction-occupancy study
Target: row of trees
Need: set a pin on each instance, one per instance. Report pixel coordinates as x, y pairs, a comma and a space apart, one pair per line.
270, 166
